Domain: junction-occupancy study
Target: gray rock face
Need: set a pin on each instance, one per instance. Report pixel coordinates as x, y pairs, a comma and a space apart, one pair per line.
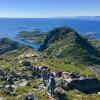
9, 90
30, 97
71, 75
84, 85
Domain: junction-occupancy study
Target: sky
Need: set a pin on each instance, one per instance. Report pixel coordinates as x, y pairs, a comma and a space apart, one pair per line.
48, 8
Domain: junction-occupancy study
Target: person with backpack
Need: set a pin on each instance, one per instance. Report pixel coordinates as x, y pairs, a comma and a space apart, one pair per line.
45, 76
52, 84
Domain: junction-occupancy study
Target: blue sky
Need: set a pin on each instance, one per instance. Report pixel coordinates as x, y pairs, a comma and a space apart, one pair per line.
49, 8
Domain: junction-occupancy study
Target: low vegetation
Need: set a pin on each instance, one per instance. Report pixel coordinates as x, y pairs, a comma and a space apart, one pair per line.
60, 53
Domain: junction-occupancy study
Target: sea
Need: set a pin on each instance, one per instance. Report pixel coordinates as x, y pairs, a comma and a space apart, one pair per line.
10, 27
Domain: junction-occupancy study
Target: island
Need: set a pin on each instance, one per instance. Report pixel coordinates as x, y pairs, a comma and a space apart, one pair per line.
35, 36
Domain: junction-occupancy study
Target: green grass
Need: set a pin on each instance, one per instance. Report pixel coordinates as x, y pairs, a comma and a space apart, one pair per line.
76, 95
66, 43
56, 64
11, 61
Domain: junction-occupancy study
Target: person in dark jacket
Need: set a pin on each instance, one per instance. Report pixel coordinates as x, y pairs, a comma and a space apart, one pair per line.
52, 84
45, 76
10, 80
34, 72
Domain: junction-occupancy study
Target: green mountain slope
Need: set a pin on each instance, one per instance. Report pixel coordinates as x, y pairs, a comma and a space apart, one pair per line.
66, 43
7, 45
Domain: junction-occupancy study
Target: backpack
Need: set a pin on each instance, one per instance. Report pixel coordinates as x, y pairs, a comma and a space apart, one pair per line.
53, 82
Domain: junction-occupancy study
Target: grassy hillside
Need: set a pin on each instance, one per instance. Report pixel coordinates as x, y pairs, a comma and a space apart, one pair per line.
15, 58
7, 45
13, 62
67, 44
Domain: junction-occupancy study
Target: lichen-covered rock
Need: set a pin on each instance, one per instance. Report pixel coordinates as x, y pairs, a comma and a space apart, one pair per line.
84, 85
30, 97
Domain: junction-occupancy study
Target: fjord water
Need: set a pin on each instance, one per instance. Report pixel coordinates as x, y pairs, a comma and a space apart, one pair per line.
10, 27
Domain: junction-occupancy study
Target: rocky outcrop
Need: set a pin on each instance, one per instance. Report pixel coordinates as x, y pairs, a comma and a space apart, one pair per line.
30, 97
84, 84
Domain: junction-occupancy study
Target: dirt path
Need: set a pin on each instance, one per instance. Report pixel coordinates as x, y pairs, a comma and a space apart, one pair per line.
1, 98
43, 88
51, 98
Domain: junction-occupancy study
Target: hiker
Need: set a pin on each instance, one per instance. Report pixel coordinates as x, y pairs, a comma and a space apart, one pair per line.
52, 84
38, 72
49, 73
34, 72
10, 80
45, 76
59, 74
1, 73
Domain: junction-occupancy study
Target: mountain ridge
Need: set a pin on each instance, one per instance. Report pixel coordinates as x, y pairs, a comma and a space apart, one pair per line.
7, 45
65, 42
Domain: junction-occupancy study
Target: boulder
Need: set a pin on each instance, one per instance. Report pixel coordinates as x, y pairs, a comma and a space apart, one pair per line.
9, 88
30, 97
24, 83
99, 93
85, 84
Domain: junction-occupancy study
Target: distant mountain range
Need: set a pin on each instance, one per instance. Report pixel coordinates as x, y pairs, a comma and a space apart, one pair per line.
79, 17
